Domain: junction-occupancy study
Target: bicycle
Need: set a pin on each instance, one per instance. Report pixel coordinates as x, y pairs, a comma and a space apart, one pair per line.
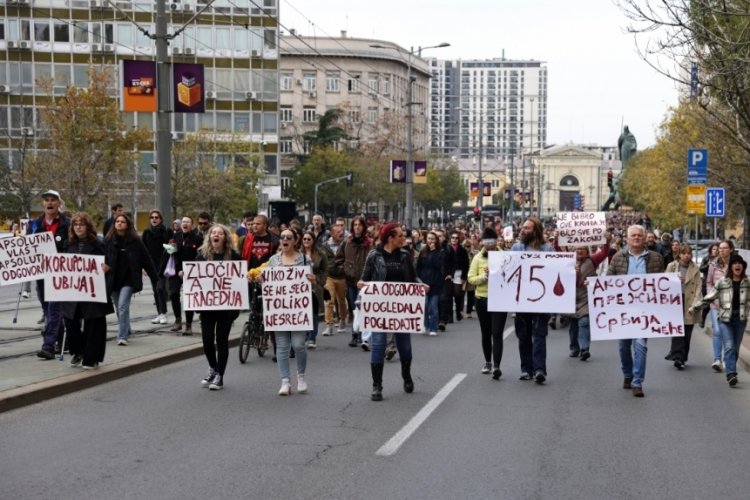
254, 335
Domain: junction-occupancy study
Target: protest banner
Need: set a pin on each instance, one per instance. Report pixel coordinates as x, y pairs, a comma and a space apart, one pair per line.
21, 257
532, 282
215, 285
287, 299
636, 306
73, 277
393, 306
580, 229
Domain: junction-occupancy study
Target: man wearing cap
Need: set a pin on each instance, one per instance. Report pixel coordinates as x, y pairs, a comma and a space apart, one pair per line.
52, 220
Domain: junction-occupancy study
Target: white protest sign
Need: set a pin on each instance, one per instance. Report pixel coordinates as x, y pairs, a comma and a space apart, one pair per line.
214, 285
508, 233
393, 306
532, 282
287, 299
580, 229
21, 257
23, 226
636, 306
72, 277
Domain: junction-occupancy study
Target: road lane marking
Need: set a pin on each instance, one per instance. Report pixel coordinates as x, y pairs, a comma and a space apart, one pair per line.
508, 331
393, 444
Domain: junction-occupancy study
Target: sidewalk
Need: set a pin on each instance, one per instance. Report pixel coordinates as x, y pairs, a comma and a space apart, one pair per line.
26, 379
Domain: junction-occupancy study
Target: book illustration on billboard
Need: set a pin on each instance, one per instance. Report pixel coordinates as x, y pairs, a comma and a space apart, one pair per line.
189, 90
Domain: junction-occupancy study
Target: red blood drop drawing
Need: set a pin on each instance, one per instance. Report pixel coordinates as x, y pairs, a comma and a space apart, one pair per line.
559, 289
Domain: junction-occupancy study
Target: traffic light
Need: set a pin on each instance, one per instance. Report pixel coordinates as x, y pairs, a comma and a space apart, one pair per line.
348, 178
477, 213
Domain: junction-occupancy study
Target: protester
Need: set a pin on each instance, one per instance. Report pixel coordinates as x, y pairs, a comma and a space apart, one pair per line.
455, 269
335, 283
116, 209
216, 324
711, 255
127, 258
319, 230
469, 289
319, 262
54, 221
289, 256
430, 271
88, 344
351, 257
716, 272
733, 294
389, 262
635, 259
532, 328
690, 279
155, 237
188, 240
579, 327
491, 323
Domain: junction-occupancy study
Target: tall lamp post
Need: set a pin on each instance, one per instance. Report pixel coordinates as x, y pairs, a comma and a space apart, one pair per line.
409, 211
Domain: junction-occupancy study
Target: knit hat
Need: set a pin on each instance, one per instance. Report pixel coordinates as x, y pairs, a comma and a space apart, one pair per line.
735, 259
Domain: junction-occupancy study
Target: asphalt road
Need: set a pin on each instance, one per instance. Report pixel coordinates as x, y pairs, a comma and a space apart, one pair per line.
159, 435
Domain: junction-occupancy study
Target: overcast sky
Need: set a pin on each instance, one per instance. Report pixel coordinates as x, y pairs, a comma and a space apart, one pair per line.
597, 81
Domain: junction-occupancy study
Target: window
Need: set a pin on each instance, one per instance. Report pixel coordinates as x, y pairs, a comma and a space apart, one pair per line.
372, 84
353, 84
285, 114
285, 145
332, 82
62, 32
355, 115
386, 85
308, 114
41, 31
309, 82
285, 81
372, 115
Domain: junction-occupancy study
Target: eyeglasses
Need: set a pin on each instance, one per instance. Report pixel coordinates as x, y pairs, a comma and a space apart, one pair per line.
154, 217
79, 224
286, 237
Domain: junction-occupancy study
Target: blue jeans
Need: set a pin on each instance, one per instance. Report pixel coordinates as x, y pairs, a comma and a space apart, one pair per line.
352, 292
432, 312
53, 327
285, 340
716, 342
580, 333
633, 366
531, 330
121, 300
731, 336
379, 341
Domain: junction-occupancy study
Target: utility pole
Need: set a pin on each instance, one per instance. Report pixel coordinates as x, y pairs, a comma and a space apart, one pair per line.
163, 133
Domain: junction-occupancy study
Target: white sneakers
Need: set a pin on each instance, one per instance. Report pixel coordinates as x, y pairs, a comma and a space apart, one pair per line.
328, 331
342, 326
301, 384
716, 366
161, 319
286, 387
433, 334
122, 342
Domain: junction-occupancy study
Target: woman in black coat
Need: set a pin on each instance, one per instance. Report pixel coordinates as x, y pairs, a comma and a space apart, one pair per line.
127, 258
86, 345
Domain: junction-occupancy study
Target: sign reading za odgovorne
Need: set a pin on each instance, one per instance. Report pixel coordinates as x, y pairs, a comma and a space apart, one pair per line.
392, 306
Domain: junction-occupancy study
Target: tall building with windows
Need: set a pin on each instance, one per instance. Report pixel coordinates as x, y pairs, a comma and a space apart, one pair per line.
367, 79
487, 112
237, 42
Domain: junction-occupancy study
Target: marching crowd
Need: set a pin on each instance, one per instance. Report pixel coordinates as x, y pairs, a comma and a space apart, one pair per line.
450, 262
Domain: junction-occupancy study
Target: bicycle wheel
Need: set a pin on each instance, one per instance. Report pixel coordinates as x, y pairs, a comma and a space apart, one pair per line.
262, 342
245, 338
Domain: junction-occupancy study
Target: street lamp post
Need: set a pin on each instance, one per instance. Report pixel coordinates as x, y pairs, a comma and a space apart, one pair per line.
409, 209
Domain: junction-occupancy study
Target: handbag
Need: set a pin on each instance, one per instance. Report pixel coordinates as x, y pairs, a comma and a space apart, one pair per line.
169, 271
357, 322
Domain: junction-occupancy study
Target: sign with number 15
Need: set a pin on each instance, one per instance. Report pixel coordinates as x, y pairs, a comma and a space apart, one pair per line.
534, 282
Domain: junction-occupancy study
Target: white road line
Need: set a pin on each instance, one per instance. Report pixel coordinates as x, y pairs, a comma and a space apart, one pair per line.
393, 444
508, 331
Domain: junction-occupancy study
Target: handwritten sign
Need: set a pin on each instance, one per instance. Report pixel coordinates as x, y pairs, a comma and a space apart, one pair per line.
287, 299
393, 307
23, 227
532, 282
636, 306
72, 277
214, 285
579, 229
21, 257
508, 233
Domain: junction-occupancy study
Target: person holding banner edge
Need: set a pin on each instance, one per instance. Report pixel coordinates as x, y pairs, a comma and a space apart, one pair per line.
389, 262
87, 345
216, 324
635, 259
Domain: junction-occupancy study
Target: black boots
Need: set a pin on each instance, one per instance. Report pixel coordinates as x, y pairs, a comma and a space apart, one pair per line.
406, 375
377, 381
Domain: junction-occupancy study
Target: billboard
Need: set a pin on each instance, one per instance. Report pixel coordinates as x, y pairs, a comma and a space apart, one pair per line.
139, 86
188, 85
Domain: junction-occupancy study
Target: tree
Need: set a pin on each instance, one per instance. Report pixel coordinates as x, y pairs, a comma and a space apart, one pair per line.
328, 132
88, 149
443, 187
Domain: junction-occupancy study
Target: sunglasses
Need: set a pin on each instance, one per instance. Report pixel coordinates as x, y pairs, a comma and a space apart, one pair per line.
286, 237
154, 217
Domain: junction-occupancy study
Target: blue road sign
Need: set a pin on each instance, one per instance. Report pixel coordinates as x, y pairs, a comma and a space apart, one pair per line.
715, 202
697, 166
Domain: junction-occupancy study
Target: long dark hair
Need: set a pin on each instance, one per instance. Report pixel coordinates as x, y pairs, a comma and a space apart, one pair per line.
313, 248
130, 233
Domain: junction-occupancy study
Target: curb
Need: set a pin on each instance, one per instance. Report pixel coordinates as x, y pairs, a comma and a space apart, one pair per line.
19, 397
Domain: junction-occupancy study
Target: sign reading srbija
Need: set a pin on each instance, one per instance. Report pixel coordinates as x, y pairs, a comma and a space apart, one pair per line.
287, 299
579, 229
636, 306
21, 257
72, 277
392, 306
532, 282
214, 285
